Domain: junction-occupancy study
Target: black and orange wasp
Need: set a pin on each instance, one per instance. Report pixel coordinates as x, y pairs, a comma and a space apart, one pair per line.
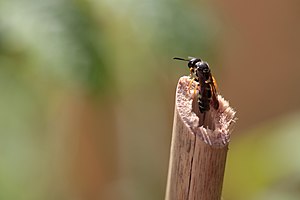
200, 72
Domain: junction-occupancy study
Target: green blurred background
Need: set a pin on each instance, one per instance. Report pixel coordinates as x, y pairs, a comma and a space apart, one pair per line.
87, 94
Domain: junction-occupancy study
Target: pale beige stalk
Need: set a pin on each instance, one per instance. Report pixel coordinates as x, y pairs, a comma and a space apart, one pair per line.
199, 147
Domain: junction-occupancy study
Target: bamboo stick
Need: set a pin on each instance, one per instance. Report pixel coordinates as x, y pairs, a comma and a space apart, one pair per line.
198, 148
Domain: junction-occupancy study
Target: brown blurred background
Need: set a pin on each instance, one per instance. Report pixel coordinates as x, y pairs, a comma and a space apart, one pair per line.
87, 95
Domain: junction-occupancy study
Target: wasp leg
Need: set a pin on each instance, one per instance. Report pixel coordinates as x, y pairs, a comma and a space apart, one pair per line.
190, 84
195, 91
192, 79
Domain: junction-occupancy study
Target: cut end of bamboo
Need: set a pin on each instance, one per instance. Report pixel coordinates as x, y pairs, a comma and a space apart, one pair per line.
213, 127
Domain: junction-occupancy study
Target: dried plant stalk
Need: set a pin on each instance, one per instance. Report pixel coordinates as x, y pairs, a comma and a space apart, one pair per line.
199, 147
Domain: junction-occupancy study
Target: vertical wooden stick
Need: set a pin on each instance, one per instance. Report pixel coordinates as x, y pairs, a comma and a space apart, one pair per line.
199, 147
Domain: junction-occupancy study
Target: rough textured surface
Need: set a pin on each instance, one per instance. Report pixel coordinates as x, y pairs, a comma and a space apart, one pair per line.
216, 128
199, 147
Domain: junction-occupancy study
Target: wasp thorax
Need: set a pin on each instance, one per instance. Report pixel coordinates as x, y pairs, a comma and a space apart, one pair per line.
203, 66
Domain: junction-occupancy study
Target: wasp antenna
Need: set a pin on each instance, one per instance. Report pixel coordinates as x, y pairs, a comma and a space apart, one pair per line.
176, 58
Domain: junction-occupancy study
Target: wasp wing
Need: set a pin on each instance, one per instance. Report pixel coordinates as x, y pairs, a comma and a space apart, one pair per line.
214, 87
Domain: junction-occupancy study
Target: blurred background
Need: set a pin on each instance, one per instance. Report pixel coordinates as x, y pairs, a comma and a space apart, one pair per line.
87, 94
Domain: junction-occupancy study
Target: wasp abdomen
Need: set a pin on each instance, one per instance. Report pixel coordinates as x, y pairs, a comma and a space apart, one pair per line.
203, 106
204, 98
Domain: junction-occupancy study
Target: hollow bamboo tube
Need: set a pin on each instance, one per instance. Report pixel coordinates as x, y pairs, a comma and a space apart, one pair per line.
198, 148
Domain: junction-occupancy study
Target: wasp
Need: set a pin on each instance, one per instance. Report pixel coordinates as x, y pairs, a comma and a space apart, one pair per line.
200, 72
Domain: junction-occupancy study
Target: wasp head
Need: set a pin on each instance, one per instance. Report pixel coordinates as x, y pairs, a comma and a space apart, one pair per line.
192, 65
